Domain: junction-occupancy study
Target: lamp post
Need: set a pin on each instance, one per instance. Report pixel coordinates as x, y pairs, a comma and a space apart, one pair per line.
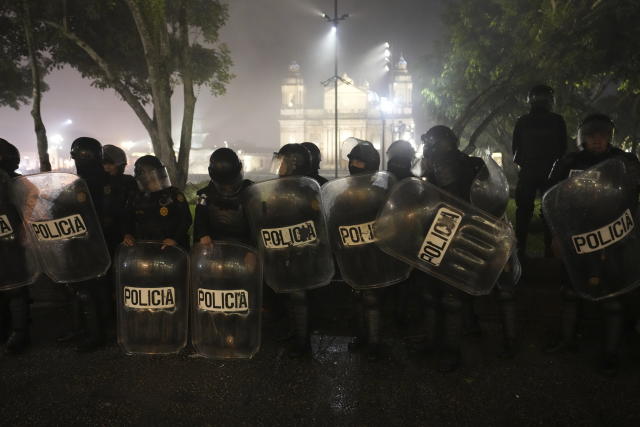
335, 21
386, 107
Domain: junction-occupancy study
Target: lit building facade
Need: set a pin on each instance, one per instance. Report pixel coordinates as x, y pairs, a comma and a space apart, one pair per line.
361, 113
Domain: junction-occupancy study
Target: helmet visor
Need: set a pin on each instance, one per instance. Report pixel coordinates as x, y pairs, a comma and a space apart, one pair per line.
151, 179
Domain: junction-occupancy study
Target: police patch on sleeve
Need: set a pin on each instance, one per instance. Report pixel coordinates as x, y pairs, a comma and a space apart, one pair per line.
608, 235
5, 226
442, 231
149, 298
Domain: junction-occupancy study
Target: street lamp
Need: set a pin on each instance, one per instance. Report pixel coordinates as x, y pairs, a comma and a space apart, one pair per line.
386, 108
334, 30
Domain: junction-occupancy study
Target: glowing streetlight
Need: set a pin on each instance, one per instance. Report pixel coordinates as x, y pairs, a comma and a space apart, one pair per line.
67, 122
386, 107
334, 31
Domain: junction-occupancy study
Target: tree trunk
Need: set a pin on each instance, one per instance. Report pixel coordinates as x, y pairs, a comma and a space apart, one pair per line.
156, 57
41, 132
481, 127
186, 133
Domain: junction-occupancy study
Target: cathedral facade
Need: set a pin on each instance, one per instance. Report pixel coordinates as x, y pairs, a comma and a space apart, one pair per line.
362, 114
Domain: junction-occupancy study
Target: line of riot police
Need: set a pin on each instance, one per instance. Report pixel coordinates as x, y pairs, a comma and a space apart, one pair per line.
444, 232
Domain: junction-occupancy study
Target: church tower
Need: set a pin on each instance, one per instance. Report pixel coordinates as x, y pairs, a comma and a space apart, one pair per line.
293, 89
401, 87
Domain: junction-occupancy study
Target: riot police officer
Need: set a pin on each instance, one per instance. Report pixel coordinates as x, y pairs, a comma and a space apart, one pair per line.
14, 303
595, 135
316, 158
219, 211
118, 188
539, 139
295, 160
363, 159
92, 295
400, 158
446, 167
158, 211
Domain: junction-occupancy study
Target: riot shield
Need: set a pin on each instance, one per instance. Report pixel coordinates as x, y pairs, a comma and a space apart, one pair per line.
444, 236
19, 264
152, 298
286, 217
62, 222
226, 300
592, 216
490, 189
351, 206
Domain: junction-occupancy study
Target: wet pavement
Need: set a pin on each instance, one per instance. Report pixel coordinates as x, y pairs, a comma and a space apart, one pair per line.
52, 385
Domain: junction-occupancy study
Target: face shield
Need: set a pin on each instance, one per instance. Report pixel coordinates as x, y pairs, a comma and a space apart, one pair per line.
151, 179
283, 165
596, 132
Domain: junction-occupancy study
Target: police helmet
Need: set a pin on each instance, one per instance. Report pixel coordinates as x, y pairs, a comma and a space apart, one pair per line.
292, 159
541, 96
114, 155
224, 166
9, 156
401, 149
316, 156
439, 139
596, 124
85, 148
365, 152
150, 174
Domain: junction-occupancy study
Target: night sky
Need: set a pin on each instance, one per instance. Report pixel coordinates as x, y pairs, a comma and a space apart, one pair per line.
264, 37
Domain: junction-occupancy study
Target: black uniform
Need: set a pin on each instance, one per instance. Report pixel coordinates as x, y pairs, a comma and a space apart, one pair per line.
539, 139
612, 307
453, 172
117, 190
159, 215
221, 216
14, 303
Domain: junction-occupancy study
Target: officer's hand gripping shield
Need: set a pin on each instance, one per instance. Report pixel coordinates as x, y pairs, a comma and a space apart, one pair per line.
62, 223
286, 217
592, 216
19, 263
351, 206
444, 236
152, 298
490, 188
226, 300
490, 192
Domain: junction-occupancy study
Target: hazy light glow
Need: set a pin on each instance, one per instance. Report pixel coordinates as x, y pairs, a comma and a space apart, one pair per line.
67, 122
386, 105
334, 29
127, 145
56, 139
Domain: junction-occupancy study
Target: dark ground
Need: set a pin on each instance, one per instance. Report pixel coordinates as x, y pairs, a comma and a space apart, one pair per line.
51, 384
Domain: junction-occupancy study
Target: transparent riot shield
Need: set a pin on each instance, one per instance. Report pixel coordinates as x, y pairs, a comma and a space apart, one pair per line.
58, 212
19, 264
286, 217
490, 189
444, 236
593, 216
152, 298
351, 206
226, 300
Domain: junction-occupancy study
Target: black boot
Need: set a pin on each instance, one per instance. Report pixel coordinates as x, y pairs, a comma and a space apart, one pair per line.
569, 321
93, 337
449, 359
76, 332
372, 313
301, 345
613, 325
19, 339
509, 323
